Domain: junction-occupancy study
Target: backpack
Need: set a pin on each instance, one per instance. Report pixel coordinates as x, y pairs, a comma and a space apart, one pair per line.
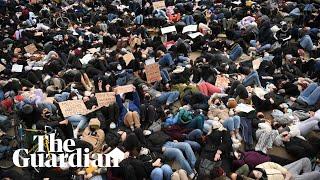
210, 169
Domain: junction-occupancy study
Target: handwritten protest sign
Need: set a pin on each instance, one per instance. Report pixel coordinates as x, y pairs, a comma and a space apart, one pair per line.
159, 5
73, 107
2, 68
153, 72
105, 99
38, 34
194, 35
17, 68
222, 81
168, 29
49, 99
31, 48
190, 28
124, 89
33, 1
128, 58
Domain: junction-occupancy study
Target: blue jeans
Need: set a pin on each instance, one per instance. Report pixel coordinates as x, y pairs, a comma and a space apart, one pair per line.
262, 48
311, 95
61, 97
232, 123
236, 52
306, 43
78, 120
188, 19
165, 75
159, 13
182, 59
192, 138
138, 19
166, 60
163, 173
252, 79
111, 16
246, 130
49, 106
168, 97
175, 151
1, 95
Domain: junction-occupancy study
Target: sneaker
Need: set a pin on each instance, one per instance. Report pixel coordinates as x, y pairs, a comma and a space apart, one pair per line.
75, 133
146, 132
238, 137
112, 125
236, 146
191, 176
235, 140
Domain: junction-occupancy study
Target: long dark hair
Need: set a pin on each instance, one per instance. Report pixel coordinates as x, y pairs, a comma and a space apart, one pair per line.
264, 174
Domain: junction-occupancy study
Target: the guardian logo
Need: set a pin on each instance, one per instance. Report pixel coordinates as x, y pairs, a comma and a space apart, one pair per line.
56, 153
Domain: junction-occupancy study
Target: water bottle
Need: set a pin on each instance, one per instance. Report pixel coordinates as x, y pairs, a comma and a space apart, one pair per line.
20, 132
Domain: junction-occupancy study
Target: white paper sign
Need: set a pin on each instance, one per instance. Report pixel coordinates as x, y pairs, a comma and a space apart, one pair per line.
168, 29
194, 35
190, 28
86, 58
150, 61
244, 108
37, 68
17, 68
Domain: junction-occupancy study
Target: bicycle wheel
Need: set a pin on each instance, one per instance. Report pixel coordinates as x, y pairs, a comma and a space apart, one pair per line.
46, 21
62, 22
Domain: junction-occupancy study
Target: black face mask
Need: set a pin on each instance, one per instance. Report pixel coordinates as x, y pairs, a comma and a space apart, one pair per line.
147, 98
48, 114
92, 129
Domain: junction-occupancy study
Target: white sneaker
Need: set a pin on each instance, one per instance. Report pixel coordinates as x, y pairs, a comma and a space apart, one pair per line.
191, 176
239, 137
235, 141
112, 125
146, 132
236, 146
75, 133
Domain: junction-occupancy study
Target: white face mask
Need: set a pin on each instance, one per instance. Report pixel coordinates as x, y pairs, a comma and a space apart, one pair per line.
119, 67
74, 97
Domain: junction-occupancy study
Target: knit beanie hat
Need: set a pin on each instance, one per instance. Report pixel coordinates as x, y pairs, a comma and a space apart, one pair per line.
27, 109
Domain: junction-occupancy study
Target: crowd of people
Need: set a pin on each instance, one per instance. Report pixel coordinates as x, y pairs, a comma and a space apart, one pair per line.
190, 124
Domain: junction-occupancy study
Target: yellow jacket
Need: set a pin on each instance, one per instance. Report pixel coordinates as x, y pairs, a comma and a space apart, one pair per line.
273, 170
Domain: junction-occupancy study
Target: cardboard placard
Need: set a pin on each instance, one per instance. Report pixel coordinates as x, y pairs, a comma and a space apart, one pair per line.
31, 48
168, 29
2, 68
159, 5
33, 1
105, 99
17, 68
124, 89
93, 50
16, 50
153, 72
256, 64
49, 99
190, 28
73, 107
128, 58
222, 81
38, 34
